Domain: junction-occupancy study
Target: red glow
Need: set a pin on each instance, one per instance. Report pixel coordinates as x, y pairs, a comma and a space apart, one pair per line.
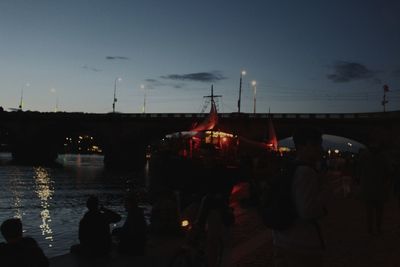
235, 189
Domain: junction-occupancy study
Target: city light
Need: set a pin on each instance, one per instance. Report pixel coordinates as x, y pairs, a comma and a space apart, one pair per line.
85, 144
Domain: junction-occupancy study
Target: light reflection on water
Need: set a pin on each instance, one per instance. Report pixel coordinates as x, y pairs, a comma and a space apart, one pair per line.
51, 201
44, 190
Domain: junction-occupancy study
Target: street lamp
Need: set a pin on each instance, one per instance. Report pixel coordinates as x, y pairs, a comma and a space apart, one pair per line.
144, 98
254, 83
21, 101
115, 92
242, 73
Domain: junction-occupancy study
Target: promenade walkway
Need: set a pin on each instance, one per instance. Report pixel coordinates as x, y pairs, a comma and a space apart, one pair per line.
348, 243
345, 231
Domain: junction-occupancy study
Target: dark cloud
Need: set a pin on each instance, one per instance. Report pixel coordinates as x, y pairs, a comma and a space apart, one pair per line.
178, 86
86, 67
197, 77
116, 57
151, 80
351, 71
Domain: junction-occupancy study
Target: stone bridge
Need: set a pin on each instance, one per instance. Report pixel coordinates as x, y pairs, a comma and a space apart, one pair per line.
36, 137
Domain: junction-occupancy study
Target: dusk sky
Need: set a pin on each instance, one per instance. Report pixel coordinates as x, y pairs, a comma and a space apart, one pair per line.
306, 56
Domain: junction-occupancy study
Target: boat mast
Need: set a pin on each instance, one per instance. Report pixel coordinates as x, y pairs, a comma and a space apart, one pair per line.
212, 96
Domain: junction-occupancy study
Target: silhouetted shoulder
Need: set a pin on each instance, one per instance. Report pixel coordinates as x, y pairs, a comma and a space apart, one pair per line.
29, 242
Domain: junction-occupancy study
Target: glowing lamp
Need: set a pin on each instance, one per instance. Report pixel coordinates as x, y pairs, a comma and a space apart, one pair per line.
185, 223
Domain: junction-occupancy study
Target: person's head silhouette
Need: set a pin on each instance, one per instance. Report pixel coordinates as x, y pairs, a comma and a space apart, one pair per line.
92, 203
308, 143
11, 229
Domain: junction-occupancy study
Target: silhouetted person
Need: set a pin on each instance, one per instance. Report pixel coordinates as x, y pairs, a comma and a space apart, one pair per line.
373, 172
132, 235
214, 218
164, 213
19, 251
94, 229
302, 243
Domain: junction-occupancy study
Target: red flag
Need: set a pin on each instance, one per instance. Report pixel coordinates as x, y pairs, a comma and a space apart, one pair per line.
209, 122
386, 88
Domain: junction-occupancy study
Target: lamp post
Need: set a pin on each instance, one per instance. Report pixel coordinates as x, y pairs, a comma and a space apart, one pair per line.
144, 98
21, 101
384, 100
242, 73
115, 93
254, 84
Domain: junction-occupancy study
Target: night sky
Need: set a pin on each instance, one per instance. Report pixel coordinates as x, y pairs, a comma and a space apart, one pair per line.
306, 56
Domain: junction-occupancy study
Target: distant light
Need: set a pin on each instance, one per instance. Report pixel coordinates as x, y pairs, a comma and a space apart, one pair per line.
349, 144
254, 83
243, 72
337, 151
142, 86
185, 223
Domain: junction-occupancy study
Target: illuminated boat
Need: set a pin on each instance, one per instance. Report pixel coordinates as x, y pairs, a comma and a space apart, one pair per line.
204, 155
197, 159
203, 142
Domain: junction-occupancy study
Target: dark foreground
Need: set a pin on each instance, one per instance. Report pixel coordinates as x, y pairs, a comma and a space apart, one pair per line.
348, 243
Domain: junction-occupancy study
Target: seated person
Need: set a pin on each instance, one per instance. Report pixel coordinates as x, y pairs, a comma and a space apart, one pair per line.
164, 214
94, 229
19, 251
132, 235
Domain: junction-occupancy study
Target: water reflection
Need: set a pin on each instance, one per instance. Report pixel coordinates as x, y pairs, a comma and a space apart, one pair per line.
45, 191
16, 192
51, 201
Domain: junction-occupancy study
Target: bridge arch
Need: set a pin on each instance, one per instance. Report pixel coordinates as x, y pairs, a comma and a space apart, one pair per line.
330, 143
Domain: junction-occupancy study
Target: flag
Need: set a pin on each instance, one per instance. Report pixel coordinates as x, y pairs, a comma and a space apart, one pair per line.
385, 88
209, 122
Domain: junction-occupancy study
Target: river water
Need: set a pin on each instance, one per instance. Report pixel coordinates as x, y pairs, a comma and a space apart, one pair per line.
51, 200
